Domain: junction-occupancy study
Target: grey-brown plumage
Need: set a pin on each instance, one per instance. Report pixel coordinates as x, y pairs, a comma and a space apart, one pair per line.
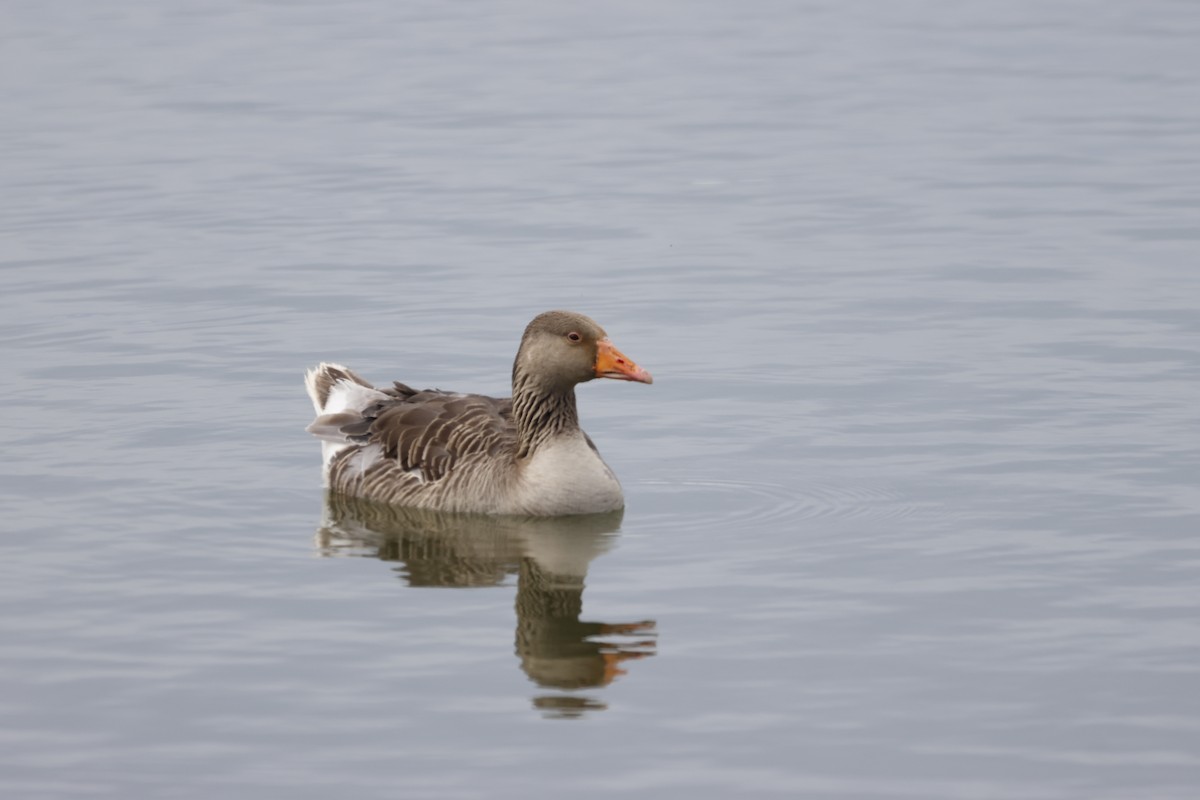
467, 452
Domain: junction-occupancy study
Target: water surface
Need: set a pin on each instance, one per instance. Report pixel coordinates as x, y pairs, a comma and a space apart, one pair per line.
912, 503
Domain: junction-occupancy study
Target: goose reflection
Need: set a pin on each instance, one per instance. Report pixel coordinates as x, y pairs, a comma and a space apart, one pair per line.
549, 556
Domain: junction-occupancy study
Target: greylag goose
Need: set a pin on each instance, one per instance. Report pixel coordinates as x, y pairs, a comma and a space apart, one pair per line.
446, 451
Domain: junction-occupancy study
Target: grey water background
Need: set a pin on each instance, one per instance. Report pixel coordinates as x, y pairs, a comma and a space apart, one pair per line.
913, 503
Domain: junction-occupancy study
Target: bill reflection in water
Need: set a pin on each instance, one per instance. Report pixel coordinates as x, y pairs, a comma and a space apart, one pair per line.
549, 556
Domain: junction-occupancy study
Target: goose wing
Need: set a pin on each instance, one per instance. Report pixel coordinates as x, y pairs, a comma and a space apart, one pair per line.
433, 431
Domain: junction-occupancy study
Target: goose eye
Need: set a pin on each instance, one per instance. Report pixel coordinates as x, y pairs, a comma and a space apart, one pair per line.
574, 337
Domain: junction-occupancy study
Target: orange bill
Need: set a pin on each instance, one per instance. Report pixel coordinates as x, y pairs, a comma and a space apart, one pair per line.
612, 363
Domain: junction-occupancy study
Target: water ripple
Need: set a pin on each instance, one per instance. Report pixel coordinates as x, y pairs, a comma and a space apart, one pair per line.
728, 502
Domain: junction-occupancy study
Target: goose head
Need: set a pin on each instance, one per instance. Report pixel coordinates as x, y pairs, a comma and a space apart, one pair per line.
561, 348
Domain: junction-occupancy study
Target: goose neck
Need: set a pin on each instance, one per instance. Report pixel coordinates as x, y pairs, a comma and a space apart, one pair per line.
541, 412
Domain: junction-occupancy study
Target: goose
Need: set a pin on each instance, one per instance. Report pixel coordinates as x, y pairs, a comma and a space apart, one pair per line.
445, 451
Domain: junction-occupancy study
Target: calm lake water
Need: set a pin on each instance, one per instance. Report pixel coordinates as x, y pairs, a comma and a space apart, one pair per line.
913, 504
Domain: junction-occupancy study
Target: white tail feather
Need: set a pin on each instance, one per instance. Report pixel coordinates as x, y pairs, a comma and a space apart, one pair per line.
339, 397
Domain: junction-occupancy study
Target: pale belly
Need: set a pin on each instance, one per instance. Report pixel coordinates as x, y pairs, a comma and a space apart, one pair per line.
566, 476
